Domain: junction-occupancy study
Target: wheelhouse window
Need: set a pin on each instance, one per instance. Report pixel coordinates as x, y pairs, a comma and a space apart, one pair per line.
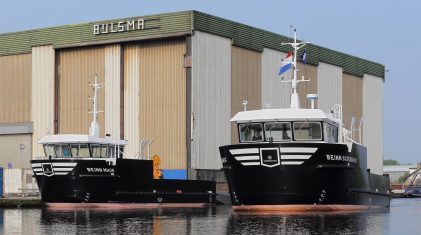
279, 131
49, 150
331, 133
80, 150
99, 150
62, 150
251, 132
307, 131
96, 150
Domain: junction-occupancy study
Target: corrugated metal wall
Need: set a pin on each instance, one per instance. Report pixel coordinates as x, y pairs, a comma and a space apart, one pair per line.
112, 90
329, 84
15, 88
246, 83
43, 97
131, 97
163, 100
373, 121
211, 99
352, 97
310, 73
275, 94
252, 38
76, 68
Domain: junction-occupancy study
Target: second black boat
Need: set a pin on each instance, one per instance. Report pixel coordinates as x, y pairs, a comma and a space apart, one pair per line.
299, 160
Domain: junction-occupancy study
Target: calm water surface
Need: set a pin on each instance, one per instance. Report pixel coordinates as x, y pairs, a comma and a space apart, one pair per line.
403, 217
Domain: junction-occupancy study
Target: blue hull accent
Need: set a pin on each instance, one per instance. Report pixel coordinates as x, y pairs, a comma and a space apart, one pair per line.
175, 174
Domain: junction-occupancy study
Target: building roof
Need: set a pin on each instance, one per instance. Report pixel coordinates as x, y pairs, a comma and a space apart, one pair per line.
262, 115
74, 139
398, 168
179, 24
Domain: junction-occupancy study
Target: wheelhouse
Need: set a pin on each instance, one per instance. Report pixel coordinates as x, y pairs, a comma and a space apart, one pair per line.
286, 125
288, 131
81, 146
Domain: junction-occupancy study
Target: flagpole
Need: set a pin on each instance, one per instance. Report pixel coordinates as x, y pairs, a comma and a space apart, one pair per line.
295, 100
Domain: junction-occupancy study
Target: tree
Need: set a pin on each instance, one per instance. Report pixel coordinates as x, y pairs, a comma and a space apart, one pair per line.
389, 162
402, 178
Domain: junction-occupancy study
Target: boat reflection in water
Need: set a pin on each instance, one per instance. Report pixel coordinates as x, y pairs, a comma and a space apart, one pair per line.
210, 220
401, 218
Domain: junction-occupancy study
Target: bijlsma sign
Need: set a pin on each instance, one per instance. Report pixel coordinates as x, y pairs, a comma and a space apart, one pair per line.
120, 26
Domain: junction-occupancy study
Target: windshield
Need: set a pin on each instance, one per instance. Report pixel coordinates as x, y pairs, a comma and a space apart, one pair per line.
279, 131
307, 131
80, 150
251, 132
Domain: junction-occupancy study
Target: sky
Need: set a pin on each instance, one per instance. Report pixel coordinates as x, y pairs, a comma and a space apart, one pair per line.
384, 31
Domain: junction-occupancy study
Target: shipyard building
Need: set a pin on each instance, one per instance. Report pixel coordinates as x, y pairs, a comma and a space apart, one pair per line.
174, 78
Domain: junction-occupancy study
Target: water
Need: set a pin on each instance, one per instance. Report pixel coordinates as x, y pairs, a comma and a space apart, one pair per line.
403, 217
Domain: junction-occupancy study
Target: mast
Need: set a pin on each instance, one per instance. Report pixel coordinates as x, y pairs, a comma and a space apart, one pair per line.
295, 100
94, 129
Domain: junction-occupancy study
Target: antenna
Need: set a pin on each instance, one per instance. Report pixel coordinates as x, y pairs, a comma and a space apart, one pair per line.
245, 105
94, 129
295, 101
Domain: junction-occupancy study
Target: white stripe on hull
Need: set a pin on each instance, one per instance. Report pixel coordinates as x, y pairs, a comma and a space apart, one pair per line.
251, 163
36, 164
244, 151
292, 163
298, 150
295, 157
63, 169
244, 158
72, 164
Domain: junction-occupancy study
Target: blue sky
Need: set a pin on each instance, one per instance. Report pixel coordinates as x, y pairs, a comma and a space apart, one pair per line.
386, 31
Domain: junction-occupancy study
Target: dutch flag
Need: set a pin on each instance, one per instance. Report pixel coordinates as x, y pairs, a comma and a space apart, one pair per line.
288, 63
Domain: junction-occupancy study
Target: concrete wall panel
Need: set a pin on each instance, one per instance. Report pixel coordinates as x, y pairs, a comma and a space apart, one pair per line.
211, 99
112, 90
11, 153
43, 95
131, 97
373, 121
275, 93
329, 85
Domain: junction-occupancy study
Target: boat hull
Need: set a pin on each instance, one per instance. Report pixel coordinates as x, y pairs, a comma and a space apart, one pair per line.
128, 181
302, 174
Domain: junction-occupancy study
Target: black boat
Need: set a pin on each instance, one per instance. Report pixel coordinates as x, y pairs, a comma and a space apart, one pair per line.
299, 160
96, 172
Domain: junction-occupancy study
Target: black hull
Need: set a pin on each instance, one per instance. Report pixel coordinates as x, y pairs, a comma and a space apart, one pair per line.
129, 181
302, 174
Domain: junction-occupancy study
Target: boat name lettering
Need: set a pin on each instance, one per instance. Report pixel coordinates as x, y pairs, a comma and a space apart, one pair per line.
332, 157
106, 170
